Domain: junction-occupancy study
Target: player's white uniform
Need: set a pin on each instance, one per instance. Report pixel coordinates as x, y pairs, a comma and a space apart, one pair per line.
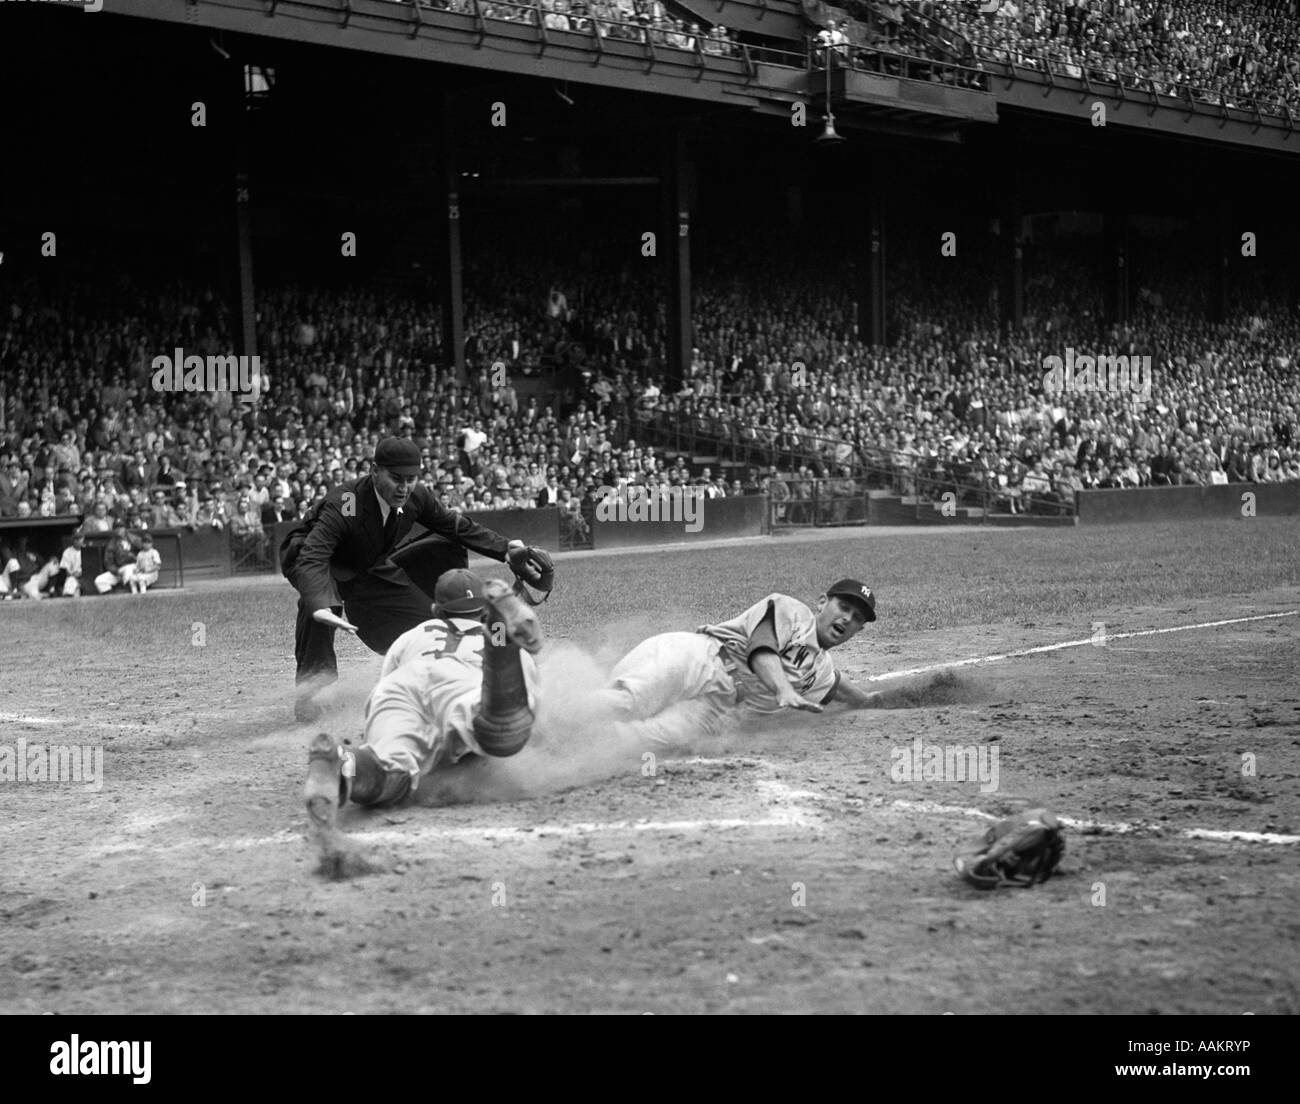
794, 626
420, 715
7, 567
683, 684
147, 565
70, 564
35, 586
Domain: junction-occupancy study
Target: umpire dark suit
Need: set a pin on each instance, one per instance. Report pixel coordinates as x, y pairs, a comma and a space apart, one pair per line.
382, 575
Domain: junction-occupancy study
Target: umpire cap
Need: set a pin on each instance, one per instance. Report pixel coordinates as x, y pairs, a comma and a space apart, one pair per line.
399, 455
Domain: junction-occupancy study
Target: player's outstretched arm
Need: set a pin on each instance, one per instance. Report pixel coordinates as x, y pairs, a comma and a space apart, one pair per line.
855, 697
766, 664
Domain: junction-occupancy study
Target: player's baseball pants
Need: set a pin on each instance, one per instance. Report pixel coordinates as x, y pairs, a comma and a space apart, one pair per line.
420, 718
109, 579
35, 586
672, 688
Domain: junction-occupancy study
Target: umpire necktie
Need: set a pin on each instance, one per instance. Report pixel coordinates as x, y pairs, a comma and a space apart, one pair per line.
390, 528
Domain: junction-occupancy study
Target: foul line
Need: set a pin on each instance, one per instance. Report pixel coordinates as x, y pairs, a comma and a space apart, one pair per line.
28, 719
785, 808
1119, 828
1076, 644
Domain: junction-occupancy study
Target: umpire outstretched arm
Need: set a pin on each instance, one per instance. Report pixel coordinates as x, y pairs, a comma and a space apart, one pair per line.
347, 540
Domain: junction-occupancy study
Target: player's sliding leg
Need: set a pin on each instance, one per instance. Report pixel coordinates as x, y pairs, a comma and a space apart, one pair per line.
679, 729
326, 790
400, 741
516, 620
418, 719
662, 671
338, 772
503, 720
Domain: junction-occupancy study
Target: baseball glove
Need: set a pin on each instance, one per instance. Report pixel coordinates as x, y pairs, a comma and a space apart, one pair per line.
534, 573
1017, 851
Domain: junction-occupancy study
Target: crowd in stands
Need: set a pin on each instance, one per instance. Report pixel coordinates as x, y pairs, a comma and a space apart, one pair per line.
960, 405
780, 387
1239, 53
1234, 52
627, 20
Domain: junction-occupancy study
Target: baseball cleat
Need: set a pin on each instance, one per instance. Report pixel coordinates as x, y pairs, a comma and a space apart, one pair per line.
325, 758
503, 721
507, 609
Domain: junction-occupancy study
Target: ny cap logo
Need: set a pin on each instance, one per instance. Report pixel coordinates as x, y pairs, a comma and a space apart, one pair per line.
866, 592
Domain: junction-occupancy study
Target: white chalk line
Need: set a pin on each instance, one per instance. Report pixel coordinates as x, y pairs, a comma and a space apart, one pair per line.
1108, 828
1076, 644
786, 806
1215, 834
28, 719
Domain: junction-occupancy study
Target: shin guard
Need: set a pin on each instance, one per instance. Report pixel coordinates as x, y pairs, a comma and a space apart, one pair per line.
504, 720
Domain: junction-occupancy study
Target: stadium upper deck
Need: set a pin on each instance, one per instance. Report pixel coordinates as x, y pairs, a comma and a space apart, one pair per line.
1209, 71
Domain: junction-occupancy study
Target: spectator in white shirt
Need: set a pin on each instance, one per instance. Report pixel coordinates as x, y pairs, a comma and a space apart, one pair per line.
147, 565
555, 15
70, 566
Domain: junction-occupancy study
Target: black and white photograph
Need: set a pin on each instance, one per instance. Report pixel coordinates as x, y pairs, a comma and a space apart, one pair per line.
651, 507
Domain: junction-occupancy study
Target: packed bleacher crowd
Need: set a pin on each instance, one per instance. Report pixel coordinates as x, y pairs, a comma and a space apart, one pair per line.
782, 395
1232, 52
961, 406
1239, 53
641, 21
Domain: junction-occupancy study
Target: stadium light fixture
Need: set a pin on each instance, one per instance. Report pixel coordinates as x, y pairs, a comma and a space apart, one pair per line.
829, 136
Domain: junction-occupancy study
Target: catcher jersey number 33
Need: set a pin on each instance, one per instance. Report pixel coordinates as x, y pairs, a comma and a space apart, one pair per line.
438, 638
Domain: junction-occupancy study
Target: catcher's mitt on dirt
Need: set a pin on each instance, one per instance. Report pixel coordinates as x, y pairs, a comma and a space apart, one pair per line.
534, 573
1017, 851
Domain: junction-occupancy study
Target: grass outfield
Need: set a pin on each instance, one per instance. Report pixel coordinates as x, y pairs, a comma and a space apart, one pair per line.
971, 577
923, 581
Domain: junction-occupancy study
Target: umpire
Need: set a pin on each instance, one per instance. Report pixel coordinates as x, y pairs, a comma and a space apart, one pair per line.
357, 564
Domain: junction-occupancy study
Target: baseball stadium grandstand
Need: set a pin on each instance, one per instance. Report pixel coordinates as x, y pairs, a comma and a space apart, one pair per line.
817, 259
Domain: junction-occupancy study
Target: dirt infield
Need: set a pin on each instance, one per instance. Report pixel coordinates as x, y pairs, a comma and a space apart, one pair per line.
803, 865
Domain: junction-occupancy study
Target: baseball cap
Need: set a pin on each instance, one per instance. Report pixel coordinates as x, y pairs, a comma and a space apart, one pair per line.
458, 591
857, 592
399, 455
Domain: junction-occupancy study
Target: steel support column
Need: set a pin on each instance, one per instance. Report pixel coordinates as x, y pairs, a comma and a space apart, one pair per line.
245, 314
453, 284
1011, 259
1118, 270
871, 270
676, 222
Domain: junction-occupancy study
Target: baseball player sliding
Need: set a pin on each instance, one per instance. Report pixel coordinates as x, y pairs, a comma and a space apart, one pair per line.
772, 657
461, 683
